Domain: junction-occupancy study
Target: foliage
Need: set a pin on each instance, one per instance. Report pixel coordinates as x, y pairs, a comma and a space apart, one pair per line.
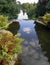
40, 9
9, 8
9, 45
46, 18
36, 10
3, 21
30, 9
31, 13
48, 6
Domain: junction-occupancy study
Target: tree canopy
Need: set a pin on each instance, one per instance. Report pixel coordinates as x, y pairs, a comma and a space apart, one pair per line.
48, 6
9, 8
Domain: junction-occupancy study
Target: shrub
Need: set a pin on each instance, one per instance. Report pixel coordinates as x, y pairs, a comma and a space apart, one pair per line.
3, 21
9, 45
46, 18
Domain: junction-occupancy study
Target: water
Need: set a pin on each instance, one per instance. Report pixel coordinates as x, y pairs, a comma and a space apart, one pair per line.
22, 15
36, 45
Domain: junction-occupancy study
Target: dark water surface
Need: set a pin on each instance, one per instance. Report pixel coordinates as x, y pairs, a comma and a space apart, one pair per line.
36, 45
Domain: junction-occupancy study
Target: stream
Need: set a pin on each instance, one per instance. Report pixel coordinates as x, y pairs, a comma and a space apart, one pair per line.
36, 45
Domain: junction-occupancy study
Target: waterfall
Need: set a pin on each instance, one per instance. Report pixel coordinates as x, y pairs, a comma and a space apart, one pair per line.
22, 16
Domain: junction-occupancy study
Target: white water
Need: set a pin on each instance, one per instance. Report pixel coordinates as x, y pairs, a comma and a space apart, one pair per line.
22, 16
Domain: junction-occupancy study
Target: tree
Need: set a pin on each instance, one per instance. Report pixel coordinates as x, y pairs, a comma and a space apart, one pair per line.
40, 9
31, 12
48, 7
30, 9
9, 8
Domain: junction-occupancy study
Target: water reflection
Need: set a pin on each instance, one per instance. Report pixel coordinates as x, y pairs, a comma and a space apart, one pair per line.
32, 54
14, 27
44, 39
36, 40
31, 50
27, 30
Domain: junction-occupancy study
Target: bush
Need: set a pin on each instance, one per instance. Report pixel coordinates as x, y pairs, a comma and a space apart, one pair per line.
9, 45
3, 21
46, 18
